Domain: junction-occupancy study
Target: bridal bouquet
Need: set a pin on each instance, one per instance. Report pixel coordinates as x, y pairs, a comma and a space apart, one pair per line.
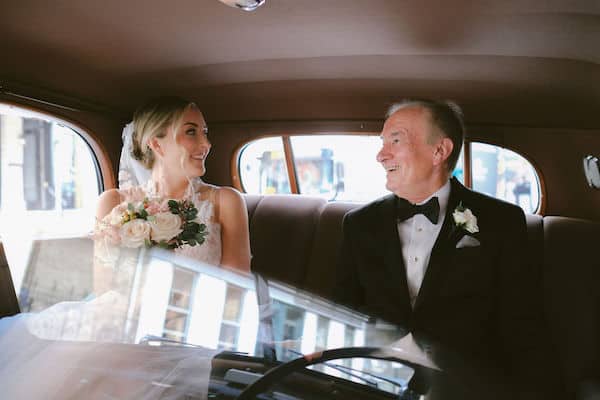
168, 224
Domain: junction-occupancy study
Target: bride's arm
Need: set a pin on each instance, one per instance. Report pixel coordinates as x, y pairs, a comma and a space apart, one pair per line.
107, 201
103, 265
235, 238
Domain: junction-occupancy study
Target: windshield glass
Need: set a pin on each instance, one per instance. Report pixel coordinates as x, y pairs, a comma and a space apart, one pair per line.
155, 297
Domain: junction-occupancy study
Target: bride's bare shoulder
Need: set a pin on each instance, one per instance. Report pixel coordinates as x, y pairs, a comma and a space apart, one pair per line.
223, 197
231, 202
229, 194
107, 201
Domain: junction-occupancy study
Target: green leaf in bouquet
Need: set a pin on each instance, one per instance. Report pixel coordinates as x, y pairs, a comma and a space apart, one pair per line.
130, 207
191, 214
200, 236
173, 206
183, 236
143, 214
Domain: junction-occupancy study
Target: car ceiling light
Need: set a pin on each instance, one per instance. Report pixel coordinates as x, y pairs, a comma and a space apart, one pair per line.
246, 5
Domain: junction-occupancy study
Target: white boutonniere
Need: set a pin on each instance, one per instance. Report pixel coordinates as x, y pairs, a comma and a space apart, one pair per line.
465, 219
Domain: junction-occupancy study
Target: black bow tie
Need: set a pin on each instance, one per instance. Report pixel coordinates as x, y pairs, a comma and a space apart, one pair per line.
406, 210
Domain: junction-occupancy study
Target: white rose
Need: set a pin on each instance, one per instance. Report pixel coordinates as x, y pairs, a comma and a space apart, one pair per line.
466, 220
165, 226
459, 217
116, 215
134, 233
471, 221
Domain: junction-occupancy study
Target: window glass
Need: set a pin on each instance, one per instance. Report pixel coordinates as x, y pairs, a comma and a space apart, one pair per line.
339, 167
48, 191
344, 168
459, 170
262, 167
506, 175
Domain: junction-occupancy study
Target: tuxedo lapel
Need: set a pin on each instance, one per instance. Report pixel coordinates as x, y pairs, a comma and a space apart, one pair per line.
441, 249
392, 251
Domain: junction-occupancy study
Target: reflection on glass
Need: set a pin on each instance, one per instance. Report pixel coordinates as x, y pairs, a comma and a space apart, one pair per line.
263, 168
182, 288
233, 303
232, 312
175, 321
228, 337
506, 175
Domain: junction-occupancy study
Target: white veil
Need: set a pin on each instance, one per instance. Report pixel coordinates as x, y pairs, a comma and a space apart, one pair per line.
131, 171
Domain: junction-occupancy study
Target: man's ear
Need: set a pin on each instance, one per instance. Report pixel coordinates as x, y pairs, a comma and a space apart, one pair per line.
442, 152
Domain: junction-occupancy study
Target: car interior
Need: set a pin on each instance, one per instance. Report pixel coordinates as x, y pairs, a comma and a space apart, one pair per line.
281, 83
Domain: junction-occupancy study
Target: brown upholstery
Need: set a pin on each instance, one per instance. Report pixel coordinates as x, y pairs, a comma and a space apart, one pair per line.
282, 231
297, 240
572, 296
320, 274
535, 240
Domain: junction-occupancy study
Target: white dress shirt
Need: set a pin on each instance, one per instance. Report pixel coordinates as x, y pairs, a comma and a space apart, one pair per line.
417, 237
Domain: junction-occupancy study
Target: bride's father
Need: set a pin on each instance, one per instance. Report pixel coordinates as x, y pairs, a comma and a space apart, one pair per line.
446, 263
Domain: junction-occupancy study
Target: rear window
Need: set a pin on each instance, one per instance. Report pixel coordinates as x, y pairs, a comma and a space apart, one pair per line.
342, 167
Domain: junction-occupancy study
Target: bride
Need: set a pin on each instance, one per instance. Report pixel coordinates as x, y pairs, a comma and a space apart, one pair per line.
79, 349
167, 142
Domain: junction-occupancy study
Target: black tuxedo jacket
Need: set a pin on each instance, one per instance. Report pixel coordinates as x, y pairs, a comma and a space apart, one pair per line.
479, 308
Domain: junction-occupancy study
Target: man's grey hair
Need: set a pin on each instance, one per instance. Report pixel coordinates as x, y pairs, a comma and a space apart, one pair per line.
446, 116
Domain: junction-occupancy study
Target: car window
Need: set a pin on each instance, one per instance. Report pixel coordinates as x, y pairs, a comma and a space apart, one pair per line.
506, 175
341, 167
48, 190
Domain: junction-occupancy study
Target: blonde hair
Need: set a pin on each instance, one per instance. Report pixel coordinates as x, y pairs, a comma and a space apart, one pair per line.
154, 119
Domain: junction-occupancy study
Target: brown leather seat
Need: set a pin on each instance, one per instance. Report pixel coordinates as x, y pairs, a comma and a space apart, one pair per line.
571, 259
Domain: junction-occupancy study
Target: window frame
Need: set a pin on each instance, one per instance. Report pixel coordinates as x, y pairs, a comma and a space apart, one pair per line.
105, 173
291, 166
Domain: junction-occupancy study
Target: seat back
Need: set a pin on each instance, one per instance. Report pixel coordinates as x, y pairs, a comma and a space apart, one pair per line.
282, 229
571, 258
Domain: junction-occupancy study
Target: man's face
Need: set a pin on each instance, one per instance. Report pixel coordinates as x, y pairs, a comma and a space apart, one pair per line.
406, 154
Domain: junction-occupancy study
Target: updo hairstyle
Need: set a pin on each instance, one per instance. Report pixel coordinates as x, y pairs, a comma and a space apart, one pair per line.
154, 119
